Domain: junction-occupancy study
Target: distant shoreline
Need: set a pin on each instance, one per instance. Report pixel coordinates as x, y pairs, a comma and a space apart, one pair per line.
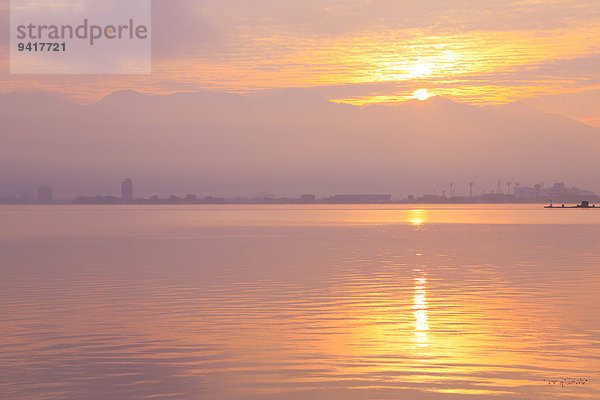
557, 204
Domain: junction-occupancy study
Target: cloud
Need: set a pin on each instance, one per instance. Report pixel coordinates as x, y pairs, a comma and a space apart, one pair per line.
576, 73
338, 17
474, 51
180, 30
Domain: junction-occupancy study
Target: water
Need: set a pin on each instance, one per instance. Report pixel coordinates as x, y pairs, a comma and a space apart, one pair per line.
290, 302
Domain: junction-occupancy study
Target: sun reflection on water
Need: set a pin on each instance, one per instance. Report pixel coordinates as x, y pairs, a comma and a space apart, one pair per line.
420, 310
417, 218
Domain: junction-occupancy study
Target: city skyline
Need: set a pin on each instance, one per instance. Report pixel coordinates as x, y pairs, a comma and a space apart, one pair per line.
285, 142
536, 193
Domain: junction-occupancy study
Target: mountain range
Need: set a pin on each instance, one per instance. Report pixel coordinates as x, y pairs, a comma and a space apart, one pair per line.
284, 142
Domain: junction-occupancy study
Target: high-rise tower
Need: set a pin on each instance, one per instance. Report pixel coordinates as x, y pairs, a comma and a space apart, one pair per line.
127, 190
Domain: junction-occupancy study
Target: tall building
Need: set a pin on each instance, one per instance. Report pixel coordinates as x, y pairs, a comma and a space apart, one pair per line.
44, 194
127, 190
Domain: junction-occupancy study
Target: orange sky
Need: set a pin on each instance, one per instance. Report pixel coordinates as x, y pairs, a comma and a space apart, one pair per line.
359, 51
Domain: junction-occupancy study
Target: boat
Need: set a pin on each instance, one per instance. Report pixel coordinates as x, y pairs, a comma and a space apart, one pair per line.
584, 204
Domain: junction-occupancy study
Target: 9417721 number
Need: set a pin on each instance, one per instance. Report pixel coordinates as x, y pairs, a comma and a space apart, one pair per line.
42, 46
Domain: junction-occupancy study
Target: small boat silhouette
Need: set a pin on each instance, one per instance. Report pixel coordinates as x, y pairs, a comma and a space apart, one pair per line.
584, 204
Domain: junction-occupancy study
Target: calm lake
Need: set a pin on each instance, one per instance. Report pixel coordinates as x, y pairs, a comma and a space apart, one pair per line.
299, 302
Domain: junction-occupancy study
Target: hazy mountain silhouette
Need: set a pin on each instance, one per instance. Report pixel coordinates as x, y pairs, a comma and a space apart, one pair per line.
583, 106
287, 142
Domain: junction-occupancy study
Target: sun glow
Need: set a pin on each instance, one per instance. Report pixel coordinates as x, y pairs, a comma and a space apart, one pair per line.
422, 94
419, 71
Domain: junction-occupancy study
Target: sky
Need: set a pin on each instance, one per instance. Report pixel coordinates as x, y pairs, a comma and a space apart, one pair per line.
358, 51
483, 55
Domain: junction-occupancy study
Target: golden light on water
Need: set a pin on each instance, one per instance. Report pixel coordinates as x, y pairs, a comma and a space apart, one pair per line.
417, 217
420, 310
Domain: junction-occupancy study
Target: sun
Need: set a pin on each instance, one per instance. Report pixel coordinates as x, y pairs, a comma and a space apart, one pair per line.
421, 94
